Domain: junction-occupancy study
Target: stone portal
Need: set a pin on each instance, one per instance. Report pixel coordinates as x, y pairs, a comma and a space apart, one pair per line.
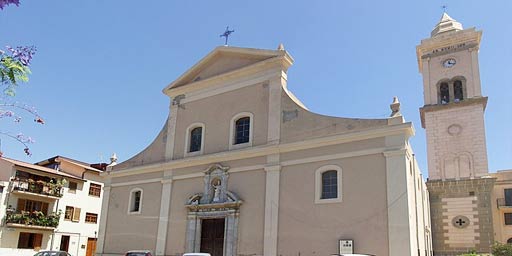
217, 211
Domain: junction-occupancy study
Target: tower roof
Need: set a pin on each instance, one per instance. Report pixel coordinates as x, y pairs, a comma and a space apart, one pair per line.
446, 24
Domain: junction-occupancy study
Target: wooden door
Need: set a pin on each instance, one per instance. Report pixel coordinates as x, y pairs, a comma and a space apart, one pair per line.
91, 247
212, 236
64, 243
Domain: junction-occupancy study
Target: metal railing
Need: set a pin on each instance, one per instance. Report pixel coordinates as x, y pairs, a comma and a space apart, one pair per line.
35, 218
37, 187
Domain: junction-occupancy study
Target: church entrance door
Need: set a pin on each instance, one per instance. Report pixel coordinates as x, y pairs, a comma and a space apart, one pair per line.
212, 236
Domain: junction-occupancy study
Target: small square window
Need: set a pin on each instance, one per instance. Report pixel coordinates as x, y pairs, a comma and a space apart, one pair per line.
91, 217
72, 187
508, 218
95, 190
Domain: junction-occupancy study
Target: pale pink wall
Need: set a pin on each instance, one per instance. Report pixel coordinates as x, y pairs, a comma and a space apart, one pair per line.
138, 231
314, 229
216, 113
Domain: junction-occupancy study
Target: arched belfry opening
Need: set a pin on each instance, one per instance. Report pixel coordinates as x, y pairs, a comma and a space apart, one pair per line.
212, 224
458, 91
444, 93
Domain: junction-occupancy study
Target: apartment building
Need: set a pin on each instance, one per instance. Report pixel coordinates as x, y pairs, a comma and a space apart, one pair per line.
54, 204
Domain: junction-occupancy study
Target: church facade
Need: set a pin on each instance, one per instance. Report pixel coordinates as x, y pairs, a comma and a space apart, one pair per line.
242, 167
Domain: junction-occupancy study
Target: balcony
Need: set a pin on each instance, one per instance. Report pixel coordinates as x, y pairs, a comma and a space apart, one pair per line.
39, 188
32, 220
504, 204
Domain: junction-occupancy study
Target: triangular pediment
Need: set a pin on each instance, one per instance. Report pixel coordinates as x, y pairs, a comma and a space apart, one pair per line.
221, 60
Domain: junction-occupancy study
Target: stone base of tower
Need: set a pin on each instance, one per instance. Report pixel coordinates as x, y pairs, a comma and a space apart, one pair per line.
461, 215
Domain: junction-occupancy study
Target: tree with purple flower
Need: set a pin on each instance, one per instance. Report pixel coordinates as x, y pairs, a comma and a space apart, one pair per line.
14, 69
4, 3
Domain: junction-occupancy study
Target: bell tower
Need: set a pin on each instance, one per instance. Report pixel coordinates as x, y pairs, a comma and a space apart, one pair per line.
453, 114
453, 118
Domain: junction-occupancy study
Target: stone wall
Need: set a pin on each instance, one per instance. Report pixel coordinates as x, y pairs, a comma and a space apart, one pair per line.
461, 215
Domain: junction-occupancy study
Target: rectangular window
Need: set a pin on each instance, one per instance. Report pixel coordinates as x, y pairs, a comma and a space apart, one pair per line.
32, 206
68, 215
72, 187
91, 217
1, 189
30, 241
95, 190
135, 207
508, 197
508, 218
76, 215
242, 130
329, 184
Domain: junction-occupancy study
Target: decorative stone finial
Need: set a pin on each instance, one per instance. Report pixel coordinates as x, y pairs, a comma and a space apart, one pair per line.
395, 107
280, 47
113, 159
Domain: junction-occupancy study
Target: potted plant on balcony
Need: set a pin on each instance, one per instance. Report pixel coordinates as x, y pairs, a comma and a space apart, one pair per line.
31, 185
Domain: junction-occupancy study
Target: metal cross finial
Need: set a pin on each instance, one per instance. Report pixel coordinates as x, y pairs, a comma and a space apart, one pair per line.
444, 8
226, 34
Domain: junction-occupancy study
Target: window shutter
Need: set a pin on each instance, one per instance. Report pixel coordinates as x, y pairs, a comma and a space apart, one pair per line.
44, 208
76, 215
21, 205
38, 240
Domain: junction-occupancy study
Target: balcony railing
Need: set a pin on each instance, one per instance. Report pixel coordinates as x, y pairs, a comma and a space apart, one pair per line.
38, 187
502, 203
34, 219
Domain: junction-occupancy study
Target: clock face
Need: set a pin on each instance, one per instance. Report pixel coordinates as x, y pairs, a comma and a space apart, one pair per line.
448, 63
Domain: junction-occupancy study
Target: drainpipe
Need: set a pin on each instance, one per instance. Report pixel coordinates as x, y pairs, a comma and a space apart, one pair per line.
53, 232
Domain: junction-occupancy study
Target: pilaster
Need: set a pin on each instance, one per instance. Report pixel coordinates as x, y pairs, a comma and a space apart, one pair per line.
271, 208
399, 233
171, 129
275, 87
163, 219
104, 217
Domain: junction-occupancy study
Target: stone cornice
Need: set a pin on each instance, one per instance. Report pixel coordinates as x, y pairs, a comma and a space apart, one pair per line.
467, 102
263, 150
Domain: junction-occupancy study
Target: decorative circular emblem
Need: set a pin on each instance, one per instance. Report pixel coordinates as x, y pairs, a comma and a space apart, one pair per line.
460, 221
454, 129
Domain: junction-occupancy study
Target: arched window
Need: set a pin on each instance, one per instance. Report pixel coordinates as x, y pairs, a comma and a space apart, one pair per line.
242, 130
194, 139
458, 93
196, 136
328, 184
135, 202
509, 241
444, 92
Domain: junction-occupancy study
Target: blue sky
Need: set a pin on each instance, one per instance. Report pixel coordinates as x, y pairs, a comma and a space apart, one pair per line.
101, 65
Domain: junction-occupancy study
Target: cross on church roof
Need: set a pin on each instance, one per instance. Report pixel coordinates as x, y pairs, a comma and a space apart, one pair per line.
226, 34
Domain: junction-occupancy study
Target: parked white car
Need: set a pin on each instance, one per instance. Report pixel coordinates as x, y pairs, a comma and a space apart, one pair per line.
197, 254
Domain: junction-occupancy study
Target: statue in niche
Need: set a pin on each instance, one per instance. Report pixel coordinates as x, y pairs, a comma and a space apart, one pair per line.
216, 184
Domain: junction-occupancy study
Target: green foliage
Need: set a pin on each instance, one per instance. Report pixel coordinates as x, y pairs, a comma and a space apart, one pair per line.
35, 218
502, 249
470, 253
11, 73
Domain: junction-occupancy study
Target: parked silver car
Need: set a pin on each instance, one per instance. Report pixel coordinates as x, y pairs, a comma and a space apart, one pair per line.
52, 253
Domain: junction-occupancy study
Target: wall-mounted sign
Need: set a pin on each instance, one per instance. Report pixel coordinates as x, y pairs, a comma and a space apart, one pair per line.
346, 246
